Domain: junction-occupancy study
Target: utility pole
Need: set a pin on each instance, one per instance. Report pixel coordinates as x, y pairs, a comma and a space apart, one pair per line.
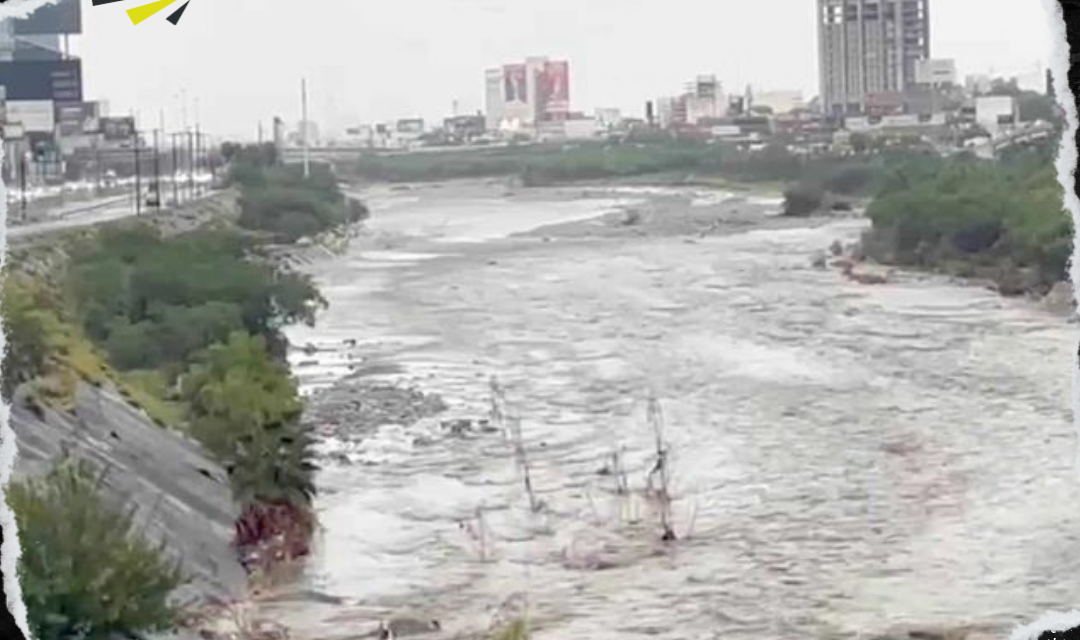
157, 171
191, 165
260, 133
304, 127
138, 177
198, 152
22, 184
210, 163
157, 156
175, 169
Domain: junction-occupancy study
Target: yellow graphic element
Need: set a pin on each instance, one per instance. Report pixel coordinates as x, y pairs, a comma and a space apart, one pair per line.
138, 14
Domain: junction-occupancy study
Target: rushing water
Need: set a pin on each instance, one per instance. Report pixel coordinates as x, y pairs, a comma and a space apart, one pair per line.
848, 457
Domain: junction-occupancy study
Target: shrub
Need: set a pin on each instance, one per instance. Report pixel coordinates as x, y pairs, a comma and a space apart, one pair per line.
83, 570
27, 326
282, 202
802, 200
244, 408
154, 302
1010, 212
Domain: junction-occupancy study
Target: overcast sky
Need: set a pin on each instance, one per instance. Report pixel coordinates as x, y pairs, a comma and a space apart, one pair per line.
369, 60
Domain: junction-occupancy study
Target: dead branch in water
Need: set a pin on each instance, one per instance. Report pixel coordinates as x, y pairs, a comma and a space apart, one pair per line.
617, 470
510, 425
535, 504
658, 483
478, 532
498, 406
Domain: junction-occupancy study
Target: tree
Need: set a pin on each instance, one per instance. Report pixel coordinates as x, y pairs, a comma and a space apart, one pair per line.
860, 142
245, 410
802, 200
27, 324
1036, 106
84, 571
156, 302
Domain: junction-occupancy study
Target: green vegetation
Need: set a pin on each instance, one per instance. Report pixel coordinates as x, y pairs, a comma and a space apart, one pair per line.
28, 327
244, 408
280, 201
84, 571
187, 328
153, 303
803, 200
517, 630
543, 163
1003, 220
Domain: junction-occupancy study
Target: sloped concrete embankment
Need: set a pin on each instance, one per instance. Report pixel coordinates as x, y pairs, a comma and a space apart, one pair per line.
179, 496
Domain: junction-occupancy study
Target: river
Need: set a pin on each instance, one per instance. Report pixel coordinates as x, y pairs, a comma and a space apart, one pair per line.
845, 458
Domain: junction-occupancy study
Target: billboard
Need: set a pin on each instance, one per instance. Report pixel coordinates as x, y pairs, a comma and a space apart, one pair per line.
935, 71
706, 87
36, 116
63, 16
38, 47
410, 125
515, 84
77, 118
556, 87
57, 80
118, 129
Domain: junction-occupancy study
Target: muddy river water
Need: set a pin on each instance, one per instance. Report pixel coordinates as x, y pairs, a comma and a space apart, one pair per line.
845, 458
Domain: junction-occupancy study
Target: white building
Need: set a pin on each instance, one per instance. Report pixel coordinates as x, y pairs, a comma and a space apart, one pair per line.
609, 118
780, 101
494, 100
978, 83
996, 113
936, 72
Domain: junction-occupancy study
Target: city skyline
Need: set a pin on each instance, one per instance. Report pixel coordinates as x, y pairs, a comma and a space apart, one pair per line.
434, 67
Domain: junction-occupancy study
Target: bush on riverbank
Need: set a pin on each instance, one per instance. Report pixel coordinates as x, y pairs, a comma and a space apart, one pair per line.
84, 572
803, 200
279, 200
1003, 220
245, 410
153, 303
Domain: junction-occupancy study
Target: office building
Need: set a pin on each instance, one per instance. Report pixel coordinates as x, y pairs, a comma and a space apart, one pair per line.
522, 95
494, 100
869, 47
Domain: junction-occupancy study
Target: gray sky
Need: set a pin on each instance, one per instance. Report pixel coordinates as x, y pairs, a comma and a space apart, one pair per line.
369, 60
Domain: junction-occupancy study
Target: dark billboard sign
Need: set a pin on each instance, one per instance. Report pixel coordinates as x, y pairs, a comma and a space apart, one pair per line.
57, 80
77, 118
118, 129
64, 16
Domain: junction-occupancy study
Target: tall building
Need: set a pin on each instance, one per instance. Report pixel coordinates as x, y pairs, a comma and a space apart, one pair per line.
523, 95
494, 100
868, 47
44, 113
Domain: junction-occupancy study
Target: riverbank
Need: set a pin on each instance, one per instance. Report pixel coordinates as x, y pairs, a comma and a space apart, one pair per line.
796, 390
191, 331
1003, 222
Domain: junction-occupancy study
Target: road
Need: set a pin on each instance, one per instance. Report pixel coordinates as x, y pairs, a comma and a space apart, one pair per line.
84, 214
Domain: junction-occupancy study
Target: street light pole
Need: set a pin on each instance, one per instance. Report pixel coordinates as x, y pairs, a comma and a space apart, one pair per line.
138, 177
22, 184
191, 165
157, 171
304, 127
198, 151
175, 169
